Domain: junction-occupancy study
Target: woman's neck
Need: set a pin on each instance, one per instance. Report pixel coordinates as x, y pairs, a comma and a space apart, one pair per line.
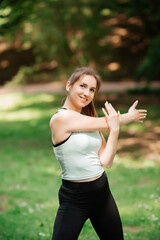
68, 104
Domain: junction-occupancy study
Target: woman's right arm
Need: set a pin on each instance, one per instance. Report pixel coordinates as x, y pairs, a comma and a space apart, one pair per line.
71, 121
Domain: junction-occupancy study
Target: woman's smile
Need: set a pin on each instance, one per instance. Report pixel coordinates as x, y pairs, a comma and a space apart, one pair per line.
83, 99
81, 93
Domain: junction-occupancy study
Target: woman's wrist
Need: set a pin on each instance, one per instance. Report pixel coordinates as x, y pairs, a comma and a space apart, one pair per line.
115, 130
107, 123
126, 118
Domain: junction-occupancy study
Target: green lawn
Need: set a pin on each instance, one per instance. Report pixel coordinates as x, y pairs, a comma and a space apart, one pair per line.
30, 175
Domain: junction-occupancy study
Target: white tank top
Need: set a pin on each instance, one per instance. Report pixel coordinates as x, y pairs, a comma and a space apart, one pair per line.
78, 155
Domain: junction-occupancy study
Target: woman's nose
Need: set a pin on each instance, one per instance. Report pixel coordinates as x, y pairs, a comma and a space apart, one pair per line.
86, 92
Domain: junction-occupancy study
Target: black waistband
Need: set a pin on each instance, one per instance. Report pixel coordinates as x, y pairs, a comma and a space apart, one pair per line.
85, 185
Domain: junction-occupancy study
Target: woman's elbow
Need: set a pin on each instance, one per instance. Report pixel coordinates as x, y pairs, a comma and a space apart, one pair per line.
106, 165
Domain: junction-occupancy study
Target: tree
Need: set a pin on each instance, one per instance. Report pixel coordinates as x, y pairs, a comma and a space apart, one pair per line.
114, 36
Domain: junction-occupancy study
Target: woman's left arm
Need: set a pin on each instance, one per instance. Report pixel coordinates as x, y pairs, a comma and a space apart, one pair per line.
133, 115
108, 150
103, 145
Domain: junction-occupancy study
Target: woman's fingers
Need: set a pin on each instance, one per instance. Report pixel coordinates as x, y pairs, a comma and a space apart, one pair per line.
112, 109
142, 114
109, 108
105, 113
141, 117
119, 115
142, 110
139, 113
134, 105
106, 116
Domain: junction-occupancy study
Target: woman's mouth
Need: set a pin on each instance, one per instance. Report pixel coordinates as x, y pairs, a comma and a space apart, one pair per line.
84, 99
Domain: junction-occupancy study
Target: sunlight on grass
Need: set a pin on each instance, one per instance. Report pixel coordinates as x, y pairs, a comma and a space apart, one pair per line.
129, 162
19, 107
14, 100
24, 115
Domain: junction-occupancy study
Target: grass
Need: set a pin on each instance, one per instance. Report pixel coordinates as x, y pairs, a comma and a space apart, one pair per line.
30, 175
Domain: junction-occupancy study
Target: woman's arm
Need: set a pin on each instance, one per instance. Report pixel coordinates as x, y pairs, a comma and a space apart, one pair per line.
71, 121
107, 156
108, 150
133, 115
103, 145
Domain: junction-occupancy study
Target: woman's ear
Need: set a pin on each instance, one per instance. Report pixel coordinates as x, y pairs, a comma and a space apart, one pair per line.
68, 86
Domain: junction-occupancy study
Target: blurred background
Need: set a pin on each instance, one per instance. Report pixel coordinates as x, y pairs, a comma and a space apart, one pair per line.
41, 43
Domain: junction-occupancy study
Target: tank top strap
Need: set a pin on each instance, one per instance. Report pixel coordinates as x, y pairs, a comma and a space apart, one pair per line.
60, 109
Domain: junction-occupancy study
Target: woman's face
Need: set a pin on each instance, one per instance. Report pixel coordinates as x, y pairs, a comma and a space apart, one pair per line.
82, 92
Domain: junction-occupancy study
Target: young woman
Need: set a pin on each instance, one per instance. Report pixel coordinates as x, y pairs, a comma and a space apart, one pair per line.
83, 153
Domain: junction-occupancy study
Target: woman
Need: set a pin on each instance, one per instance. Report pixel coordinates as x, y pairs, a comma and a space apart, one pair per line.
83, 154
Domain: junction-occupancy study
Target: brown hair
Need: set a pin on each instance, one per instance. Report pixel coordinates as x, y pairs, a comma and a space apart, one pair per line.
76, 75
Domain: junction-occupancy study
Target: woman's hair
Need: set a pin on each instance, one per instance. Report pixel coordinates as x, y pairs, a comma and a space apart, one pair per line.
76, 75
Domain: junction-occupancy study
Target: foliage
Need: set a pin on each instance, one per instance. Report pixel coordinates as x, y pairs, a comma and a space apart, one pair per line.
150, 66
144, 90
13, 13
149, 13
66, 34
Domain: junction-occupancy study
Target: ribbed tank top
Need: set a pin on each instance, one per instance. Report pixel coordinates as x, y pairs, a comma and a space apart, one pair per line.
78, 155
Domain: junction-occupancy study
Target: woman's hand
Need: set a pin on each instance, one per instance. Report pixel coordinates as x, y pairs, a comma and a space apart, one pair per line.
137, 115
112, 118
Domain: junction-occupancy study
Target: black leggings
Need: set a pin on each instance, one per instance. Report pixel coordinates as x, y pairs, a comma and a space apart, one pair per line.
80, 201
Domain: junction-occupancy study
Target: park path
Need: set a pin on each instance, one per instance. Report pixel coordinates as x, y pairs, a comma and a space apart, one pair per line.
58, 87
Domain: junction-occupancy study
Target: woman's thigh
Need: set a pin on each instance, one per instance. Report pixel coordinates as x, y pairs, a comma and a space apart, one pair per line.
68, 224
106, 220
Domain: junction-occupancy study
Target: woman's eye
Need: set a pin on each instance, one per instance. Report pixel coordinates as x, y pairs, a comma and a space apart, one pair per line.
82, 85
92, 90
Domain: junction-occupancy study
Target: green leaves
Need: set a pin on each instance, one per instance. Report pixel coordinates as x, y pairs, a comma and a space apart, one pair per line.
84, 32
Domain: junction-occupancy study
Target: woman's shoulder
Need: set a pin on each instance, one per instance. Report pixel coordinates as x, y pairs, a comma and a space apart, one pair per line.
59, 116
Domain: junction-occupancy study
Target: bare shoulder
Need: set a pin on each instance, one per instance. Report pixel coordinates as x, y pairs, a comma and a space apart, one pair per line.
58, 126
61, 117
55, 119
71, 121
